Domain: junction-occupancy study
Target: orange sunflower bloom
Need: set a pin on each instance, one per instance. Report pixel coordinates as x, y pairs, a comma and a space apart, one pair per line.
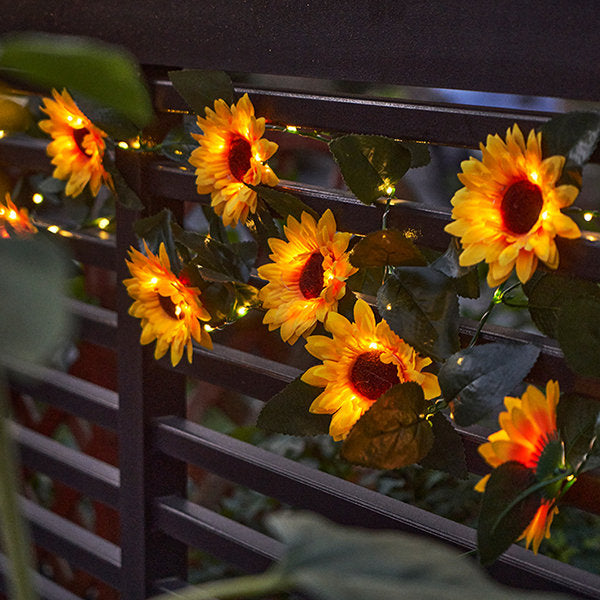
13, 219
231, 154
170, 310
527, 427
307, 276
509, 211
77, 146
361, 362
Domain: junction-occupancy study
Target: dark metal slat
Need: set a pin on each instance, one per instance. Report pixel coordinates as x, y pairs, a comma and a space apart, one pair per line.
350, 504
228, 540
96, 324
77, 396
46, 588
74, 543
91, 476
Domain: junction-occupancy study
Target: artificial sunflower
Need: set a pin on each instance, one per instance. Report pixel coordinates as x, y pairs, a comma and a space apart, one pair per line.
307, 276
509, 211
77, 147
170, 310
14, 220
362, 361
528, 425
231, 154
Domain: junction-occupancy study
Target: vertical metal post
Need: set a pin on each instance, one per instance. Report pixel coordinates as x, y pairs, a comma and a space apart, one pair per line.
146, 391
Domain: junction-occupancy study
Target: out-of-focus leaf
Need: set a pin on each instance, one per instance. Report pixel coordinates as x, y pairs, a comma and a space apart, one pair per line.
370, 164
287, 412
393, 433
13, 116
386, 247
477, 379
103, 72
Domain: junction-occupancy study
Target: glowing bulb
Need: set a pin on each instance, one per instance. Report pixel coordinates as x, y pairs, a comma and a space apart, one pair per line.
178, 310
242, 310
460, 361
389, 190
135, 144
291, 128
588, 216
545, 215
69, 118
2, 133
123, 145
533, 176
53, 228
257, 157
12, 215
65, 233
154, 281
388, 307
208, 328
37, 198
570, 477
103, 223
78, 122
373, 345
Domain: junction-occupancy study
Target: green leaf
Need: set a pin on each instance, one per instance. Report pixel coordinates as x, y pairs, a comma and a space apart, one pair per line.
550, 460
288, 411
330, 562
498, 528
105, 73
34, 316
13, 116
466, 279
421, 306
201, 88
283, 203
393, 433
262, 225
578, 420
110, 120
157, 229
224, 299
215, 260
448, 452
549, 292
366, 281
578, 333
387, 247
575, 136
419, 154
178, 144
370, 164
477, 379
124, 194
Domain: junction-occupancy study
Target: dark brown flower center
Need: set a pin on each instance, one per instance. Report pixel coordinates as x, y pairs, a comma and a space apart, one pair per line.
171, 309
521, 206
79, 136
240, 153
311, 277
370, 377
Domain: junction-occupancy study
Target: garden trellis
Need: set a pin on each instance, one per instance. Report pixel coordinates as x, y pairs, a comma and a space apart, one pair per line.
367, 42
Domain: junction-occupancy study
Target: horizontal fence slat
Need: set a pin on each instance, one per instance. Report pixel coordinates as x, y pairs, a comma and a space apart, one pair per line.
228, 540
94, 478
350, 504
46, 588
75, 544
76, 396
95, 324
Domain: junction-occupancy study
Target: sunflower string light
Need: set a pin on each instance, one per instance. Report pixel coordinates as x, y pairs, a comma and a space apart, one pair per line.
14, 220
307, 277
77, 147
509, 210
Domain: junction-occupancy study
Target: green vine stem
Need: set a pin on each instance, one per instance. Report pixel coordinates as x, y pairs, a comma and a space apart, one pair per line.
301, 131
270, 582
15, 535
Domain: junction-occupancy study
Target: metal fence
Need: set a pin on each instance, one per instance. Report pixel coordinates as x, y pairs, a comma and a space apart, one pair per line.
524, 50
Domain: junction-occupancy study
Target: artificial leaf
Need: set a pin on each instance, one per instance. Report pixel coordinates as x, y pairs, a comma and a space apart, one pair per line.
178, 144
327, 561
498, 527
421, 306
578, 420
448, 452
13, 116
466, 279
393, 433
578, 333
476, 379
366, 282
103, 72
283, 203
201, 88
575, 136
387, 247
34, 316
156, 230
550, 460
262, 225
288, 411
50, 186
419, 154
106, 118
370, 164
548, 292
123, 192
